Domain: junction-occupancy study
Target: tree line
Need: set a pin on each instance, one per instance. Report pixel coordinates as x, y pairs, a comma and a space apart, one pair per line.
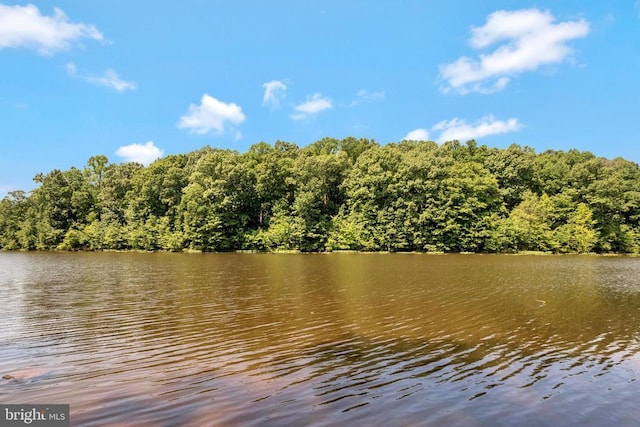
349, 194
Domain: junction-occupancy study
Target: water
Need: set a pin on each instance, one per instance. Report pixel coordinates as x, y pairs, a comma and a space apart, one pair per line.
342, 339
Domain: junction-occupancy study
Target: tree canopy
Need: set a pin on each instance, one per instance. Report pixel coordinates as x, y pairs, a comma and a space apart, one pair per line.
349, 194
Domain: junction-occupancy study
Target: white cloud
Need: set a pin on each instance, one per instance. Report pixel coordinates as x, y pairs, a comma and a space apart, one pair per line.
529, 39
211, 115
71, 68
417, 135
274, 92
365, 95
109, 79
112, 80
25, 26
141, 153
462, 131
314, 104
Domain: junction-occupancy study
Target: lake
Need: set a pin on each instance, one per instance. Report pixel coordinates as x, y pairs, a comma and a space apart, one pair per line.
137, 339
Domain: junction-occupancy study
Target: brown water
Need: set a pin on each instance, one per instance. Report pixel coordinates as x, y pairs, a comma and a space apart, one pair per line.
342, 339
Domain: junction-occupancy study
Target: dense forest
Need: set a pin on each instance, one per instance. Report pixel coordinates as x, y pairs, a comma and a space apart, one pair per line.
350, 194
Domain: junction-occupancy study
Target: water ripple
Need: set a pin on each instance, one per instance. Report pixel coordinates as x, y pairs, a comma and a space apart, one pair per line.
161, 339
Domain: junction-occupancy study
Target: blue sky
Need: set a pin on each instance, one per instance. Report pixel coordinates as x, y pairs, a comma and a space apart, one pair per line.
135, 80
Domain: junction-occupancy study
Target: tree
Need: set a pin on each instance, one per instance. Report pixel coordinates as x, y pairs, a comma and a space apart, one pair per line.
530, 223
335, 194
318, 194
578, 234
13, 214
273, 174
514, 169
217, 204
615, 202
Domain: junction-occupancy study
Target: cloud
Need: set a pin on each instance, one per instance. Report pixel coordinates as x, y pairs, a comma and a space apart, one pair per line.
109, 79
141, 153
417, 135
71, 68
369, 96
211, 115
112, 80
527, 39
460, 130
314, 104
365, 96
274, 92
25, 26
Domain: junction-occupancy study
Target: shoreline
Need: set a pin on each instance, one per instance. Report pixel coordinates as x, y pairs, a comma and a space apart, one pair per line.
293, 251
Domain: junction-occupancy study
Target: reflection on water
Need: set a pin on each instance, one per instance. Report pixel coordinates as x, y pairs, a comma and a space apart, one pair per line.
402, 339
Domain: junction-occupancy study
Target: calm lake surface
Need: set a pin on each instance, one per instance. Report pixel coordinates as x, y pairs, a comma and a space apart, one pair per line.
134, 339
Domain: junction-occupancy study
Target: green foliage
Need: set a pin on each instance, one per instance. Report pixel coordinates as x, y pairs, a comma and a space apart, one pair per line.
578, 234
218, 204
285, 232
514, 171
530, 223
349, 194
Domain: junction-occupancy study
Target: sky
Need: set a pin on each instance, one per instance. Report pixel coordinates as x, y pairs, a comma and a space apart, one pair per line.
138, 80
